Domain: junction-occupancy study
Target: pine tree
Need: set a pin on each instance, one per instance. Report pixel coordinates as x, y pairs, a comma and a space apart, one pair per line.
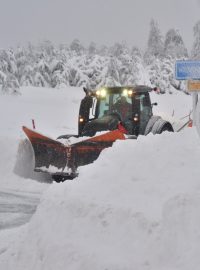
196, 45
121, 54
92, 50
8, 77
155, 45
137, 72
112, 75
103, 51
76, 47
42, 67
174, 45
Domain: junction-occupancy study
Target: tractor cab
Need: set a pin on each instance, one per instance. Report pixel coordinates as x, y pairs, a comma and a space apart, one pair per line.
105, 108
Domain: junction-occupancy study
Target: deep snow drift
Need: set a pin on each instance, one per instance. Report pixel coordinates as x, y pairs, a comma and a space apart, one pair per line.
136, 207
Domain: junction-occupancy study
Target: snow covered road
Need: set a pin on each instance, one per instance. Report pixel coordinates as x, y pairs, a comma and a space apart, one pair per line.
16, 207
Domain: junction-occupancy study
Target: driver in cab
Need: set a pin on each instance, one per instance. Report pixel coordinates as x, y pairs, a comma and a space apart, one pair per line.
123, 107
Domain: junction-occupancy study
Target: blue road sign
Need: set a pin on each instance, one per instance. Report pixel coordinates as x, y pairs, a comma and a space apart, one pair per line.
186, 70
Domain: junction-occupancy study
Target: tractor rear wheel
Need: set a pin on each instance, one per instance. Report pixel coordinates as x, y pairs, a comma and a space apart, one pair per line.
160, 126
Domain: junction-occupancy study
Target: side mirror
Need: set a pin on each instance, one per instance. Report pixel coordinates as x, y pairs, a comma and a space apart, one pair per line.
154, 104
85, 90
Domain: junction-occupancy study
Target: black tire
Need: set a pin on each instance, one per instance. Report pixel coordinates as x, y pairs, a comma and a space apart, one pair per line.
151, 123
166, 127
160, 126
62, 178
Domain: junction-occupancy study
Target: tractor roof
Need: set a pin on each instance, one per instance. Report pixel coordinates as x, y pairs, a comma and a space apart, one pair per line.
119, 89
136, 88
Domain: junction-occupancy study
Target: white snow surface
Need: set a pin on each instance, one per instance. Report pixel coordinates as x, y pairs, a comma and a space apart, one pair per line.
136, 207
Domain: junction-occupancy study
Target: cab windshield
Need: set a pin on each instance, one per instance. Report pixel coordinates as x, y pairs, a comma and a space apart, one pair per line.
115, 103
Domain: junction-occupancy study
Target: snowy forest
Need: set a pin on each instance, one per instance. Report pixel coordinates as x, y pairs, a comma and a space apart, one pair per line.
48, 65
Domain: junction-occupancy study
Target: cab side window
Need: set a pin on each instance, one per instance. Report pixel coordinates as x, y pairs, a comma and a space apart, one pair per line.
145, 105
145, 112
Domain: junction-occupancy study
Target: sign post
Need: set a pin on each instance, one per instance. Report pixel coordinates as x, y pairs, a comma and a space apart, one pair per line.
193, 86
190, 70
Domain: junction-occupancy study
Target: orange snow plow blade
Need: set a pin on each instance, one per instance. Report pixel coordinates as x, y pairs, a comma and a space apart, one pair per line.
57, 158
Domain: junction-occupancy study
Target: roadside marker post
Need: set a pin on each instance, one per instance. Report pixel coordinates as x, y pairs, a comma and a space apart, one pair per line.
190, 71
193, 86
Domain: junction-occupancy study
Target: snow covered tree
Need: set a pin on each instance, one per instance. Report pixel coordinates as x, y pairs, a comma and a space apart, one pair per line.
42, 67
174, 45
103, 51
174, 49
12, 85
27, 77
112, 75
155, 45
92, 48
137, 72
76, 47
25, 66
121, 53
49, 66
47, 49
96, 71
77, 78
118, 49
8, 72
59, 73
8, 61
196, 45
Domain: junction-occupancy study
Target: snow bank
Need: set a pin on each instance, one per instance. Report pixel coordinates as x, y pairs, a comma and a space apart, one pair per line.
9, 180
174, 107
8, 149
136, 207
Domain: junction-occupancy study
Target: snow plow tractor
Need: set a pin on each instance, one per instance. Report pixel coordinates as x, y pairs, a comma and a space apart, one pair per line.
105, 115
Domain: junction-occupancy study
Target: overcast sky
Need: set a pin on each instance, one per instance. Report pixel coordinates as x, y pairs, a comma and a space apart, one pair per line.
101, 21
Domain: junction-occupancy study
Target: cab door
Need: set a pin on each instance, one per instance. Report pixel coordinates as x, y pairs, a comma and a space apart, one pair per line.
84, 112
145, 111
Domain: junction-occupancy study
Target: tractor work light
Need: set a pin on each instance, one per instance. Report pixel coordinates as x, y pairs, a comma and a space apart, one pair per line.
98, 93
127, 92
130, 92
101, 92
